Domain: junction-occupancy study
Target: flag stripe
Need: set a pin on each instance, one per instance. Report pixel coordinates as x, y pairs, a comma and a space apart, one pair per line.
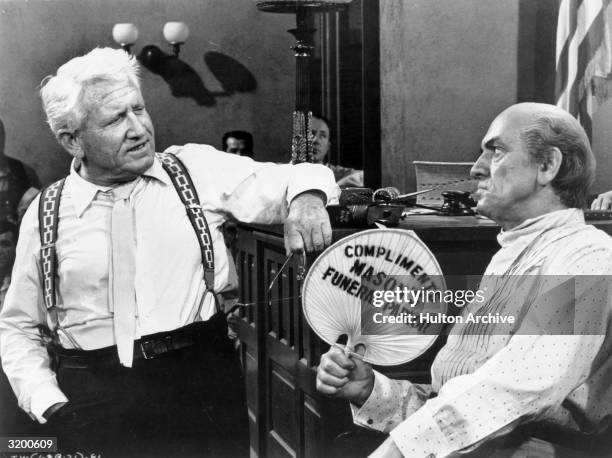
584, 117
587, 49
565, 32
586, 13
566, 26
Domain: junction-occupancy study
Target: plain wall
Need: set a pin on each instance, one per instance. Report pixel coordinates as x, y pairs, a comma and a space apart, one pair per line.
447, 68
37, 36
602, 147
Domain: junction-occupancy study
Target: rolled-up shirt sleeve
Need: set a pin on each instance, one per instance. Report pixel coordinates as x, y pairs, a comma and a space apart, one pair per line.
24, 356
251, 191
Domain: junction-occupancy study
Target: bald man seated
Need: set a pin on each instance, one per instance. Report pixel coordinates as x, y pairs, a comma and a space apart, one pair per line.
538, 389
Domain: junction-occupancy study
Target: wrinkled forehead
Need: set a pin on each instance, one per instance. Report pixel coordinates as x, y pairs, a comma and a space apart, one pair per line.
105, 92
507, 126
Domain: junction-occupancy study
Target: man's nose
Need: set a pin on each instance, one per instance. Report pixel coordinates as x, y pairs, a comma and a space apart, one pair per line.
136, 126
480, 168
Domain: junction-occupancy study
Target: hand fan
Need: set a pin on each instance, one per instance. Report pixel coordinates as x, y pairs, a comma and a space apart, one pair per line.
344, 293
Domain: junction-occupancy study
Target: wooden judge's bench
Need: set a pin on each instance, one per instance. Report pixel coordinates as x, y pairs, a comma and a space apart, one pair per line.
288, 417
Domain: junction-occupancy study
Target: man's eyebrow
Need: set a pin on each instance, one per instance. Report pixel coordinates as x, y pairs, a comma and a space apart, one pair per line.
118, 108
111, 114
492, 143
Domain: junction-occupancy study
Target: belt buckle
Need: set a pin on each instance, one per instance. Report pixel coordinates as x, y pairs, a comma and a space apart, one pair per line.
151, 349
147, 349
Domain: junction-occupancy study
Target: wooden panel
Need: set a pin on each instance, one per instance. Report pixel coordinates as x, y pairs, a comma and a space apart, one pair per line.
247, 274
252, 399
272, 310
287, 281
301, 328
251, 388
281, 403
277, 448
312, 429
280, 354
307, 344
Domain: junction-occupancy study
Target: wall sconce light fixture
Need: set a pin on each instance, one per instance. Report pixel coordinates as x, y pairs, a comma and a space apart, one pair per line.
176, 33
125, 34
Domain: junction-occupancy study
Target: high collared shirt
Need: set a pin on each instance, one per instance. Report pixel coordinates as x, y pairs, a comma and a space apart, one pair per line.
169, 281
488, 381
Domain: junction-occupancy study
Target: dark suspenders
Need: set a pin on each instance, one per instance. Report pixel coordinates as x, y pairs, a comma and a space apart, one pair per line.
48, 216
48, 213
189, 196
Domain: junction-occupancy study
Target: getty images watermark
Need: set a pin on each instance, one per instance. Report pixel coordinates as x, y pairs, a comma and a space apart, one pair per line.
494, 305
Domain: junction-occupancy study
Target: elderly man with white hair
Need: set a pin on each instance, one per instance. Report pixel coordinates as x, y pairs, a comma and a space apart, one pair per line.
112, 332
540, 388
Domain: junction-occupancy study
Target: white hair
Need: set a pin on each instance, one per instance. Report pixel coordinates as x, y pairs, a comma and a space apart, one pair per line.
62, 94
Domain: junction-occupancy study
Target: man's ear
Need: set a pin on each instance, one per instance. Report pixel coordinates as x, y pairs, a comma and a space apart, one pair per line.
550, 165
71, 143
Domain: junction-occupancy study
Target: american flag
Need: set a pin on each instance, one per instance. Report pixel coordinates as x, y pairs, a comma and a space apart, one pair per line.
584, 57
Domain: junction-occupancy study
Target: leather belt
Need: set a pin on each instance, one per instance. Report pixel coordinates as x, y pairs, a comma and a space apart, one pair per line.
149, 347
152, 348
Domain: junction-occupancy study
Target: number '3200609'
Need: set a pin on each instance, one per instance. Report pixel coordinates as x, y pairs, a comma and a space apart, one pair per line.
30, 443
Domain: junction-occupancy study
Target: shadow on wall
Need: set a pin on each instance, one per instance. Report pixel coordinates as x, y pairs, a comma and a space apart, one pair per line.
184, 81
233, 76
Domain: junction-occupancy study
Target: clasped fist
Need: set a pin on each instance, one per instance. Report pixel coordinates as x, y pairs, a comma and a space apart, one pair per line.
346, 377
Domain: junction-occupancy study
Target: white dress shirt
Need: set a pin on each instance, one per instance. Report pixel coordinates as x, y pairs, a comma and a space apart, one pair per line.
488, 381
169, 281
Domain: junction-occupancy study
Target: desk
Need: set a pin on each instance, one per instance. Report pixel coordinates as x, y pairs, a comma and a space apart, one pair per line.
288, 417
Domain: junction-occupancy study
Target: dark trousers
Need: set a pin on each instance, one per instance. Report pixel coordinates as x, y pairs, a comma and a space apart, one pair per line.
186, 402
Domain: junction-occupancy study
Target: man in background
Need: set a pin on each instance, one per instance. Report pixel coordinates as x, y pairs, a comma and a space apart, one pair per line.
238, 142
321, 142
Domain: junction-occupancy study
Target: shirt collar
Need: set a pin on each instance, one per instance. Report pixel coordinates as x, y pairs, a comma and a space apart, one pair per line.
157, 172
532, 227
85, 191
